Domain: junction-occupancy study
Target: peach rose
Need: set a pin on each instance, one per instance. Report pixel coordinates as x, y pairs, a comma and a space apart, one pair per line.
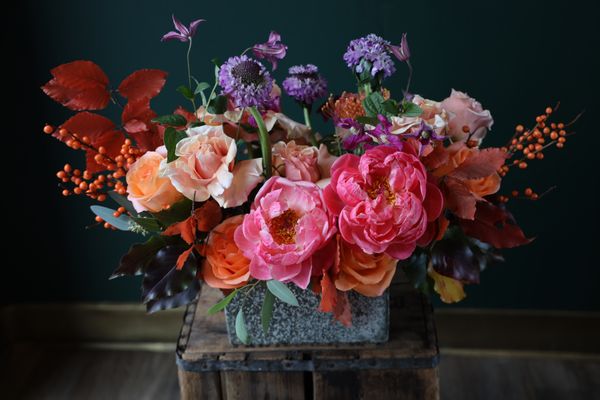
467, 117
368, 274
225, 267
433, 115
206, 167
484, 186
147, 190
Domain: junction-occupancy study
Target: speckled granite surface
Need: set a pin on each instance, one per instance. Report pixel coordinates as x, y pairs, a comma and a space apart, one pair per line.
305, 324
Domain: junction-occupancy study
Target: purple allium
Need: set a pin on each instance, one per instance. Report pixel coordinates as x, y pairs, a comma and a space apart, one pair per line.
184, 33
401, 52
305, 84
272, 50
246, 82
370, 50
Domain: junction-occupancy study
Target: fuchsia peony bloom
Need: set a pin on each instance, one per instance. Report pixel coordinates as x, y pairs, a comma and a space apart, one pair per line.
383, 199
284, 231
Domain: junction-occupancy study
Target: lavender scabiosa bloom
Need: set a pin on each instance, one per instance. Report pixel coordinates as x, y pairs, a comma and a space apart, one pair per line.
246, 82
184, 33
305, 84
272, 50
370, 52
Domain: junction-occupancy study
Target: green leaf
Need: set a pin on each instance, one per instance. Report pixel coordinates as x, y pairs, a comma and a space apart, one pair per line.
282, 292
123, 202
201, 86
240, 327
186, 92
410, 109
172, 137
122, 223
391, 107
149, 224
171, 119
222, 304
266, 313
176, 213
218, 105
368, 120
373, 104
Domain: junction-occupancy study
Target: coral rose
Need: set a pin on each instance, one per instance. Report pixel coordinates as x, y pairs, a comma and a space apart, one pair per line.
383, 199
368, 274
467, 117
206, 167
287, 226
147, 190
225, 267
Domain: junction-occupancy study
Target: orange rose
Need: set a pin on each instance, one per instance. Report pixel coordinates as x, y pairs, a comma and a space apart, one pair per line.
457, 154
147, 190
368, 274
484, 186
225, 266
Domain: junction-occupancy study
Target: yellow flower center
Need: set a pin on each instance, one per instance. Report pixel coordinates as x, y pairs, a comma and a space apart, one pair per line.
381, 186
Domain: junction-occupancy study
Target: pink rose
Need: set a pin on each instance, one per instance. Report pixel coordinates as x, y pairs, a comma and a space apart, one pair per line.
467, 117
147, 190
206, 167
287, 226
299, 162
383, 199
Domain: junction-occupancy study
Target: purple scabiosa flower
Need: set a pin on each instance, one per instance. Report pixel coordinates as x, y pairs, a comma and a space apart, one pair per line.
305, 84
370, 52
246, 82
402, 52
184, 33
272, 50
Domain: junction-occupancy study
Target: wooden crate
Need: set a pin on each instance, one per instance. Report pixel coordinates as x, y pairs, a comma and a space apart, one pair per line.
403, 368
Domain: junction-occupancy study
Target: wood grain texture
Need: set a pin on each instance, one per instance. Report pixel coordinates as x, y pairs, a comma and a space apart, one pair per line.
206, 385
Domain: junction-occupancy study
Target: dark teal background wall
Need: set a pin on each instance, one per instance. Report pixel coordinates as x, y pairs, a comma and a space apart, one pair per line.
516, 57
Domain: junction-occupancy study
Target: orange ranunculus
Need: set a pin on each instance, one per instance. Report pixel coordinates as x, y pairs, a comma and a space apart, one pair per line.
368, 274
484, 186
148, 191
225, 266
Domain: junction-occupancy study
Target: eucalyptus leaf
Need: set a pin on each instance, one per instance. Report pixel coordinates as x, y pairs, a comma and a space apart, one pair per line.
240, 327
171, 119
123, 202
186, 92
222, 304
172, 137
266, 313
123, 222
201, 86
282, 292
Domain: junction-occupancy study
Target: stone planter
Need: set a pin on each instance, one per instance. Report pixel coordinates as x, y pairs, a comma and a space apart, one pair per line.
305, 324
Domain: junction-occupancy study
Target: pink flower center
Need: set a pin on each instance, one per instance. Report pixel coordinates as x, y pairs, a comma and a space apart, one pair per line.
283, 227
381, 186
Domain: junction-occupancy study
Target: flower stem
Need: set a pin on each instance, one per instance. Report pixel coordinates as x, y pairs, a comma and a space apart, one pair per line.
189, 73
311, 134
410, 72
265, 141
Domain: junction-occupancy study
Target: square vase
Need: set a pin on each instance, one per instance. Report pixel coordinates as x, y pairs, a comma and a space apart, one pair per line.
305, 324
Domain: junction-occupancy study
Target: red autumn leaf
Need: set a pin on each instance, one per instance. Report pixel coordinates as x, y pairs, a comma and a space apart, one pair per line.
342, 311
79, 85
436, 158
137, 121
328, 294
189, 116
145, 83
185, 228
480, 164
458, 198
112, 142
207, 216
494, 225
183, 257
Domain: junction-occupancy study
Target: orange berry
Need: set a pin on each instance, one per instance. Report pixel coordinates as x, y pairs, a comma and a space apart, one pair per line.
540, 156
546, 130
77, 190
562, 132
128, 142
530, 156
548, 110
554, 135
48, 129
102, 150
98, 219
86, 140
107, 225
562, 139
538, 147
87, 175
66, 192
522, 165
520, 128
63, 132
535, 196
75, 145
67, 168
519, 147
560, 145
61, 174
515, 193
69, 143
528, 192
561, 125
116, 214
98, 158
121, 210
541, 141
83, 185
102, 197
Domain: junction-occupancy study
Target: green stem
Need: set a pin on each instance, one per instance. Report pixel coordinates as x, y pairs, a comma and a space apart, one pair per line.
410, 72
366, 87
265, 141
189, 73
311, 134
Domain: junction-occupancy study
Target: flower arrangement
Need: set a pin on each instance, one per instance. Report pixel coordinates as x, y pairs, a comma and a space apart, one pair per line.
234, 193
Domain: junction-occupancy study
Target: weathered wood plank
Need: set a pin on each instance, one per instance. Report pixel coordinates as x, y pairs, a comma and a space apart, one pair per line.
199, 385
263, 385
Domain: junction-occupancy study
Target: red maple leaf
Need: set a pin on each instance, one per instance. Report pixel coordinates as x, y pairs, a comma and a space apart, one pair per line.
494, 225
79, 85
145, 83
137, 121
480, 164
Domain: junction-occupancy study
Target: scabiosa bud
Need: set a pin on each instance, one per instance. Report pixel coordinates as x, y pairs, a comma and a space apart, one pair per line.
370, 51
305, 84
246, 82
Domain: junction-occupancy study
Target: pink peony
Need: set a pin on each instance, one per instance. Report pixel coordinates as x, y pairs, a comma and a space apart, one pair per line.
287, 226
467, 117
383, 199
206, 167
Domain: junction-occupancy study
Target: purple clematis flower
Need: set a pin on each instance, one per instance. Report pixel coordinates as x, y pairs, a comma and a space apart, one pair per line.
184, 33
383, 134
401, 52
272, 50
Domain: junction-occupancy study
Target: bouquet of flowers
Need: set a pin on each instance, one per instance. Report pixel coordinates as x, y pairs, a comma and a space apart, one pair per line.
234, 193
